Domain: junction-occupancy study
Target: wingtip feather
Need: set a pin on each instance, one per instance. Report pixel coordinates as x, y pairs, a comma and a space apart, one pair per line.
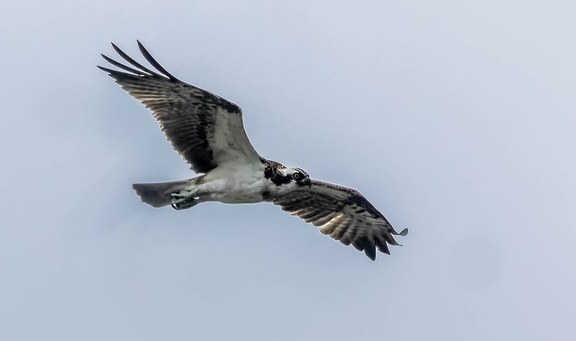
370, 254
154, 62
132, 61
105, 69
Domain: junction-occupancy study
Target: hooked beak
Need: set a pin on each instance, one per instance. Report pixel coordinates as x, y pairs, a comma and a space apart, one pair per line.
307, 182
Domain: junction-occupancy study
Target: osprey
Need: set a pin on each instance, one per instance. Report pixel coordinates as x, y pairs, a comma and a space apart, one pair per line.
207, 131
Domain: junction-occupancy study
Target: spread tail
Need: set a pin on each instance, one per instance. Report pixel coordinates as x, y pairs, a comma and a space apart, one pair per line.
159, 194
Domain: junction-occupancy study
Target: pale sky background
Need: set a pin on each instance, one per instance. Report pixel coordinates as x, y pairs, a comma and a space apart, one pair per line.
455, 118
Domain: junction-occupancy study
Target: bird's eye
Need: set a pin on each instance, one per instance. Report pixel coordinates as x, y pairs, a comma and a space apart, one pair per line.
296, 176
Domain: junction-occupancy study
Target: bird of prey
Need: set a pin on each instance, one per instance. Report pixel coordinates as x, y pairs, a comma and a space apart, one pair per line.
207, 131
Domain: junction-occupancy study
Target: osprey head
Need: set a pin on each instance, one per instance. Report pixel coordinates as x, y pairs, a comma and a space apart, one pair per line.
299, 176
281, 175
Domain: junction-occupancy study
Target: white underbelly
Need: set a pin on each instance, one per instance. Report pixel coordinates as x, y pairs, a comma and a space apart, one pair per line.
240, 198
236, 189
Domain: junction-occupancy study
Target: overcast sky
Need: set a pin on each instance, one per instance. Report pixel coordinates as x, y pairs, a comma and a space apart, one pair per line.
456, 119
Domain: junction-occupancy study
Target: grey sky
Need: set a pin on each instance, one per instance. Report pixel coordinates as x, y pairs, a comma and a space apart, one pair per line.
456, 119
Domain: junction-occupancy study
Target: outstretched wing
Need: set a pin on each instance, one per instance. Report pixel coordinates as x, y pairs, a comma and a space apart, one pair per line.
342, 213
204, 128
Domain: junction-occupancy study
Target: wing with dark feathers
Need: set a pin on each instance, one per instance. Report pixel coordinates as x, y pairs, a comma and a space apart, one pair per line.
206, 129
344, 214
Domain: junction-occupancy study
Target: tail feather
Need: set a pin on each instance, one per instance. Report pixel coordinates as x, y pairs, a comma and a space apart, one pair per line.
159, 194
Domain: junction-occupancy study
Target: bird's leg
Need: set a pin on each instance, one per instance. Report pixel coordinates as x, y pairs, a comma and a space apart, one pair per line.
184, 199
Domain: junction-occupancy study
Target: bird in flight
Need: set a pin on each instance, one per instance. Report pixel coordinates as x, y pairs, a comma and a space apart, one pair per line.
207, 131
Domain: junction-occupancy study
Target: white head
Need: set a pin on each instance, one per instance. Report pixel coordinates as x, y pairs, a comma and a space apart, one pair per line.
286, 176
